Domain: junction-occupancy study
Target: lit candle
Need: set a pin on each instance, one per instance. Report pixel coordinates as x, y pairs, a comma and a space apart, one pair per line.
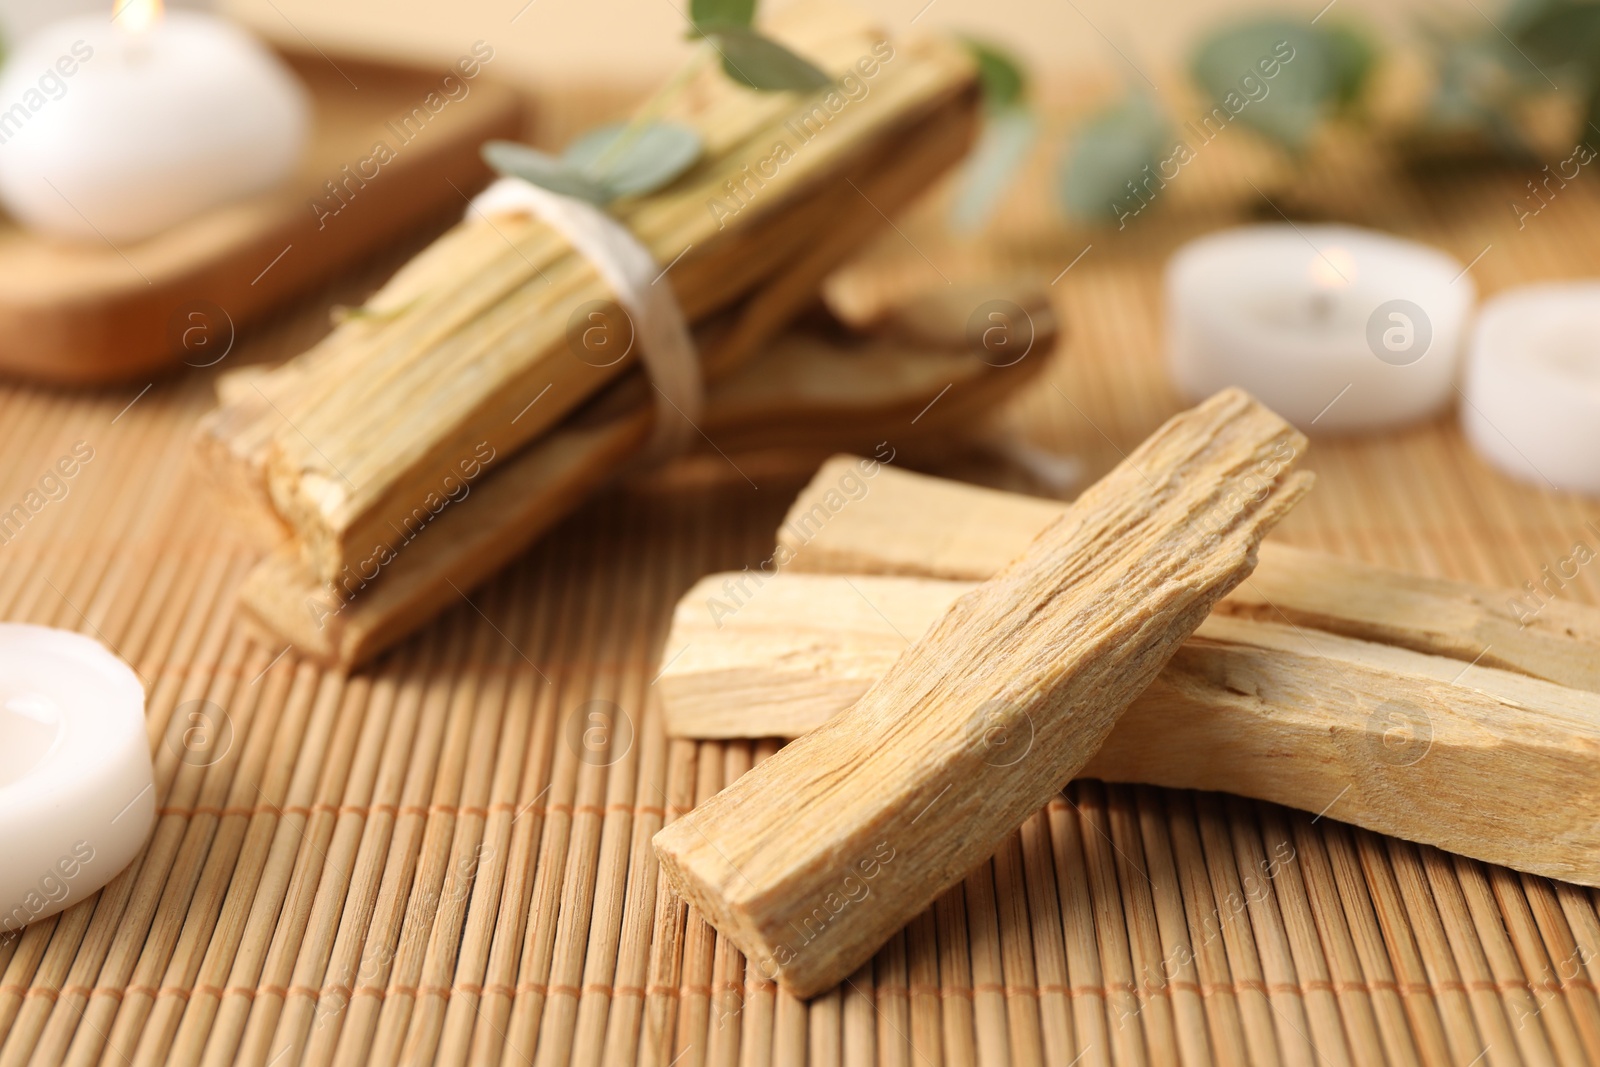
77, 797
1335, 328
117, 128
1533, 384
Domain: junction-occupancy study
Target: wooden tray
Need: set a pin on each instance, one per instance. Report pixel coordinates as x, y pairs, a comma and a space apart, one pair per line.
96, 313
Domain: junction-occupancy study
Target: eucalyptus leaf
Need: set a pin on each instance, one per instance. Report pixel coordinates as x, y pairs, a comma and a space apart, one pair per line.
1518, 15
1000, 74
625, 160
1471, 115
1002, 148
546, 171
762, 63
704, 13
1590, 133
1353, 55
1561, 34
1111, 150
1477, 82
1561, 39
1277, 76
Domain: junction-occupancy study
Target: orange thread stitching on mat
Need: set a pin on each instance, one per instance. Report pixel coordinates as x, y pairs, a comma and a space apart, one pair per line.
627, 991
541, 989
368, 809
696, 991
499, 807
563, 808
914, 990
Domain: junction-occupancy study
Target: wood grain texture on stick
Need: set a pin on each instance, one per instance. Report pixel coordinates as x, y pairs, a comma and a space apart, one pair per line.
802, 388
482, 322
812, 860
1396, 741
916, 524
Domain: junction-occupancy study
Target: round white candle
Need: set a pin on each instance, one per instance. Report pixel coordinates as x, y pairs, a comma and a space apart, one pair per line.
119, 128
1333, 327
1533, 384
77, 796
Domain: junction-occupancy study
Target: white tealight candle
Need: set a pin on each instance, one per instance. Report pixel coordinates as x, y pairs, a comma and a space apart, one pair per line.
1333, 327
117, 128
77, 797
1533, 384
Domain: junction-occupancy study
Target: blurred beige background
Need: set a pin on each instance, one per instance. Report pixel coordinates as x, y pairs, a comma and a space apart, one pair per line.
621, 41
615, 40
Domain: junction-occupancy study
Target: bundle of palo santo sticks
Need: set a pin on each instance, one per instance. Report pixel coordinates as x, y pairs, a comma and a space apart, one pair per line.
456, 403
1431, 710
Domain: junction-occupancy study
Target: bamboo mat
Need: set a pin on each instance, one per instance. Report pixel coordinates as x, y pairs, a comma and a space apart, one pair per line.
426, 862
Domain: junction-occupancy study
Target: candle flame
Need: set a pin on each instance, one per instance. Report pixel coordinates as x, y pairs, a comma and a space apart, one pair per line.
1333, 268
136, 16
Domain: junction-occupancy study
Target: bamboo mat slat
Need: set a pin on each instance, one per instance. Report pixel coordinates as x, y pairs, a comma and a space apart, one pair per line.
426, 862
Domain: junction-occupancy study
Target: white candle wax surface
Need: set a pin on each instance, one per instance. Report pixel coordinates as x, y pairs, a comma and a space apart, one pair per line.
113, 131
1533, 384
1338, 329
77, 793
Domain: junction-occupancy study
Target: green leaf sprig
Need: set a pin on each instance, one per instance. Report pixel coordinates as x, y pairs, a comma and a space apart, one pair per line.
1010, 129
749, 57
1001, 79
1491, 81
1563, 36
604, 164
647, 153
1283, 79
1108, 157
1325, 77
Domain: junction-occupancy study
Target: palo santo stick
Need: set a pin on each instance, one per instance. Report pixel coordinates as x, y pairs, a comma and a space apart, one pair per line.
914, 524
1293, 716
375, 427
800, 389
234, 443
752, 655
403, 580
907, 783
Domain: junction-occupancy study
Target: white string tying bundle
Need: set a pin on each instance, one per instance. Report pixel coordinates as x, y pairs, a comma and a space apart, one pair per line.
665, 345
